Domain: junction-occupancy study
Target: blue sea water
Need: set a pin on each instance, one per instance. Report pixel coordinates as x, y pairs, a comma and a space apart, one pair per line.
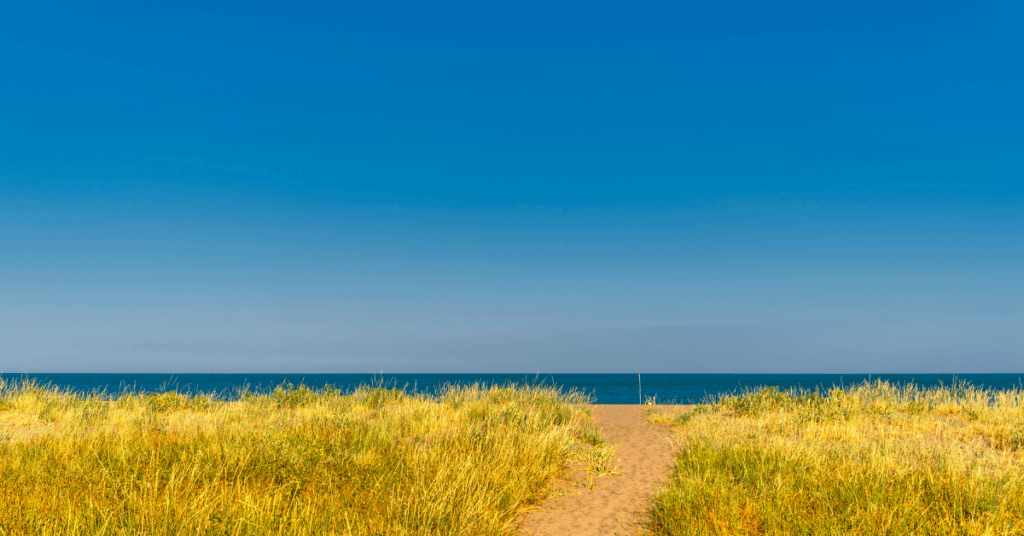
604, 388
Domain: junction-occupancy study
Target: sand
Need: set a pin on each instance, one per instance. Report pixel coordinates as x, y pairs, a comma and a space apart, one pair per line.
643, 456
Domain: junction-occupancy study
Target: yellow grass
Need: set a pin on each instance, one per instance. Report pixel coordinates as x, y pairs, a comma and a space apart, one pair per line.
294, 461
873, 459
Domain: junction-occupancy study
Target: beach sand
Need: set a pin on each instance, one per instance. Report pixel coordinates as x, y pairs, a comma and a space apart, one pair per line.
643, 456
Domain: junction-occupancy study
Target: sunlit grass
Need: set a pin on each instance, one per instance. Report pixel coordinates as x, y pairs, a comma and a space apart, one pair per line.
873, 459
293, 461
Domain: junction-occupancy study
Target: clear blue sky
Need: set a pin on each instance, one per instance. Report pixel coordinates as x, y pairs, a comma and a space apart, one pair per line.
511, 187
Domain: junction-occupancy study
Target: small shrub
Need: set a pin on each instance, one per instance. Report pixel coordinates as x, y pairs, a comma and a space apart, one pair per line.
93, 411
175, 401
1016, 441
379, 396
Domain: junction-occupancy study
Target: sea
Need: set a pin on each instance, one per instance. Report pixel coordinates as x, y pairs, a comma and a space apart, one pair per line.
602, 388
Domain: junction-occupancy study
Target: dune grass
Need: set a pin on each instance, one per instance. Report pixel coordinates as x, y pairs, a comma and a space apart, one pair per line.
872, 459
467, 460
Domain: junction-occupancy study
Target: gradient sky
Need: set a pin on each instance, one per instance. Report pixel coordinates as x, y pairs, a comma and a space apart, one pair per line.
512, 187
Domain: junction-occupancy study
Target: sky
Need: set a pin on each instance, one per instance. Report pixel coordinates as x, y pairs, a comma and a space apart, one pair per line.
329, 187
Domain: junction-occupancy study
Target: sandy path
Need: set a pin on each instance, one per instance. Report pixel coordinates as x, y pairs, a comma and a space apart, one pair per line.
643, 456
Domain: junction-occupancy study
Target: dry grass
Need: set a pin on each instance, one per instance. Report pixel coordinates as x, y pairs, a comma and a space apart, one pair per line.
294, 461
874, 459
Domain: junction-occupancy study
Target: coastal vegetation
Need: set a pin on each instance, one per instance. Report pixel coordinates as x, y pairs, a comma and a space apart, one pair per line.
871, 459
378, 460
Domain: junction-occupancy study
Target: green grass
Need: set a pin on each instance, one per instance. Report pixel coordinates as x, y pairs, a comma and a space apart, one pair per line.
874, 459
293, 461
